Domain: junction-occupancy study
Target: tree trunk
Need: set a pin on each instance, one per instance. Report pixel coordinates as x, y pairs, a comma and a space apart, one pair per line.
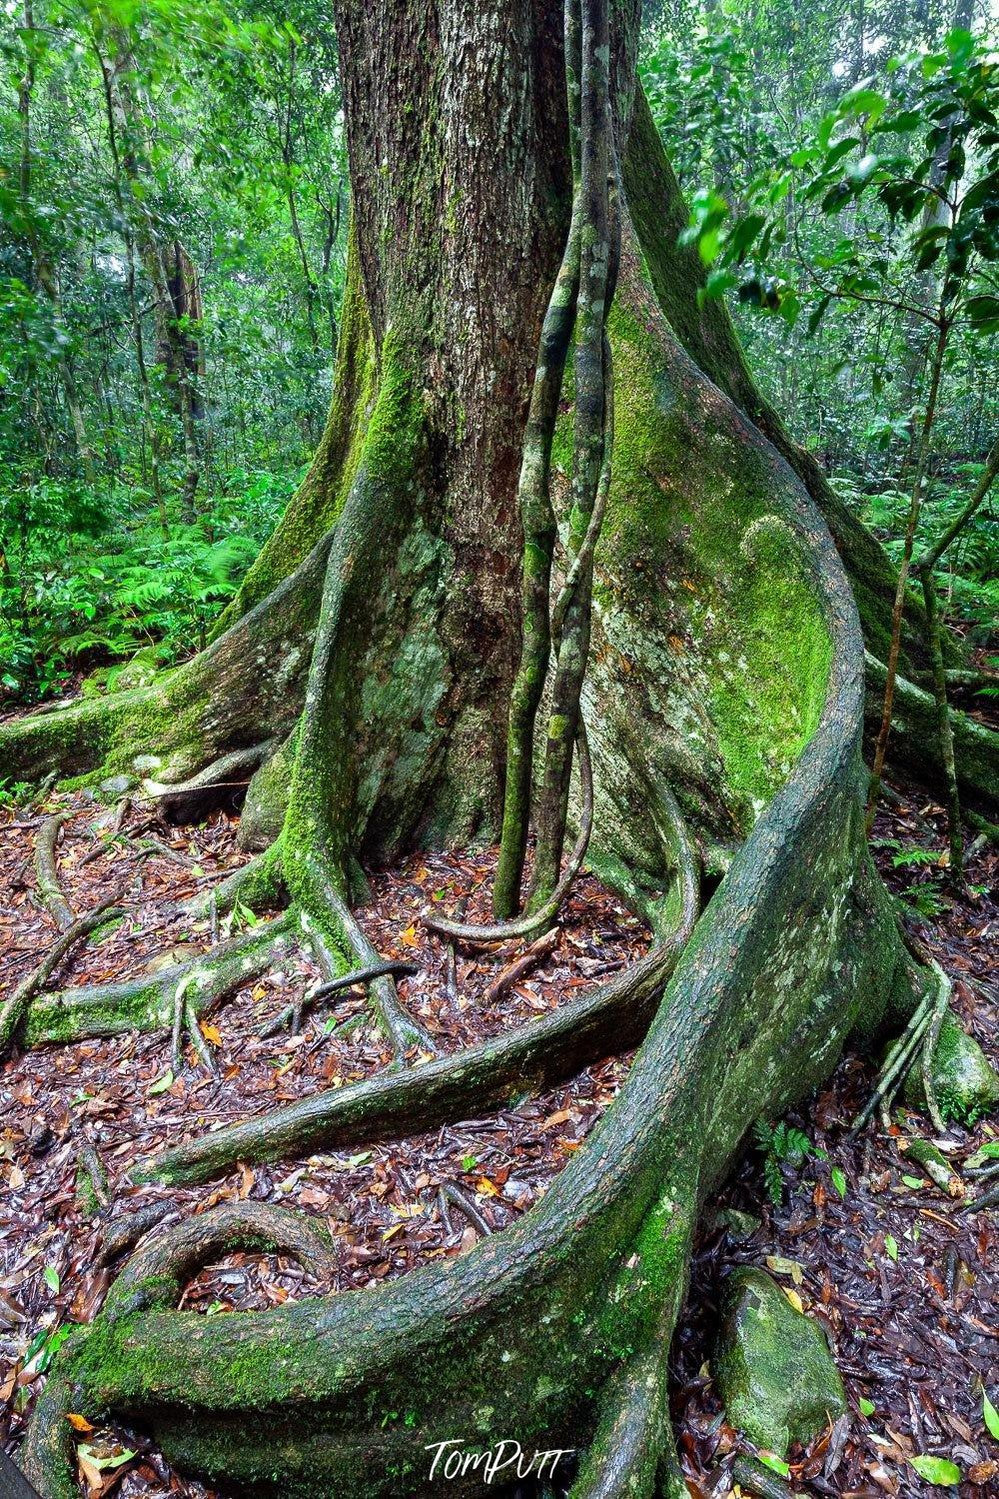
726, 666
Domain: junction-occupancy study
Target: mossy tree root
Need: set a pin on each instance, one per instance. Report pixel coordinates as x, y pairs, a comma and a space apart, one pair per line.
633, 1451
47, 874
158, 1272
542, 1053
149, 1002
402, 1031
156, 1276
521, 1335
193, 799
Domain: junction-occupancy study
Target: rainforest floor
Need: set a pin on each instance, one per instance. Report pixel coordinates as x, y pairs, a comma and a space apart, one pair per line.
904, 1282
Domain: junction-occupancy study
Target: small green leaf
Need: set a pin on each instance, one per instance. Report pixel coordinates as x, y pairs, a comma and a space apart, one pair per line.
891, 1247
937, 1470
991, 1416
839, 1180
102, 1464
915, 1182
769, 1461
469, 1162
51, 1275
866, 1406
162, 1084
987, 1152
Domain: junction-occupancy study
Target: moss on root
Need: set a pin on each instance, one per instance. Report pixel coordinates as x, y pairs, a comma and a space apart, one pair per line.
527, 1336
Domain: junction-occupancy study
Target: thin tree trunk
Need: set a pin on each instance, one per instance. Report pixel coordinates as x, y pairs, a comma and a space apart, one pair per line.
915, 506
45, 273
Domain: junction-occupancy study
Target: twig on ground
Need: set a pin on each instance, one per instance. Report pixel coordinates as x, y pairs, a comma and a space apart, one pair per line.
511, 975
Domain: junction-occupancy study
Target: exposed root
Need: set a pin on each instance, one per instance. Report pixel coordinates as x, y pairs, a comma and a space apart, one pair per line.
756, 1478
47, 875
611, 1017
148, 1003
538, 920
96, 1172
260, 883
900, 1058
633, 1452
14, 1009
929, 1052
989, 1199
459, 1199
123, 1233
185, 1019
915, 735
292, 1015
623, 1461
158, 1272
106, 839
402, 1031
190, 800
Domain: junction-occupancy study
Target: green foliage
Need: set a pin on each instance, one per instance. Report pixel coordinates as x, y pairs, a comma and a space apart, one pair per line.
83, 590
939, 1471
167, 135
844, 182
781, 1145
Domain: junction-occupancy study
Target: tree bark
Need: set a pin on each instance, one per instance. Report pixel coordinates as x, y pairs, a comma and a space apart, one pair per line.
726, 663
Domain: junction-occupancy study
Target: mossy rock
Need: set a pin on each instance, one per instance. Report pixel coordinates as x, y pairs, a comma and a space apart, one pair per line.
772, 1365
964, 1080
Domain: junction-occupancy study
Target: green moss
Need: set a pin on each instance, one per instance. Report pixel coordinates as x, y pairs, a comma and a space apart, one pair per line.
772, 1365
699, 541
266, 802
965, 1082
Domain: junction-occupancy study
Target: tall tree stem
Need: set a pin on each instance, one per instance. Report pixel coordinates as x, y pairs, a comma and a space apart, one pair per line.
915, 507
